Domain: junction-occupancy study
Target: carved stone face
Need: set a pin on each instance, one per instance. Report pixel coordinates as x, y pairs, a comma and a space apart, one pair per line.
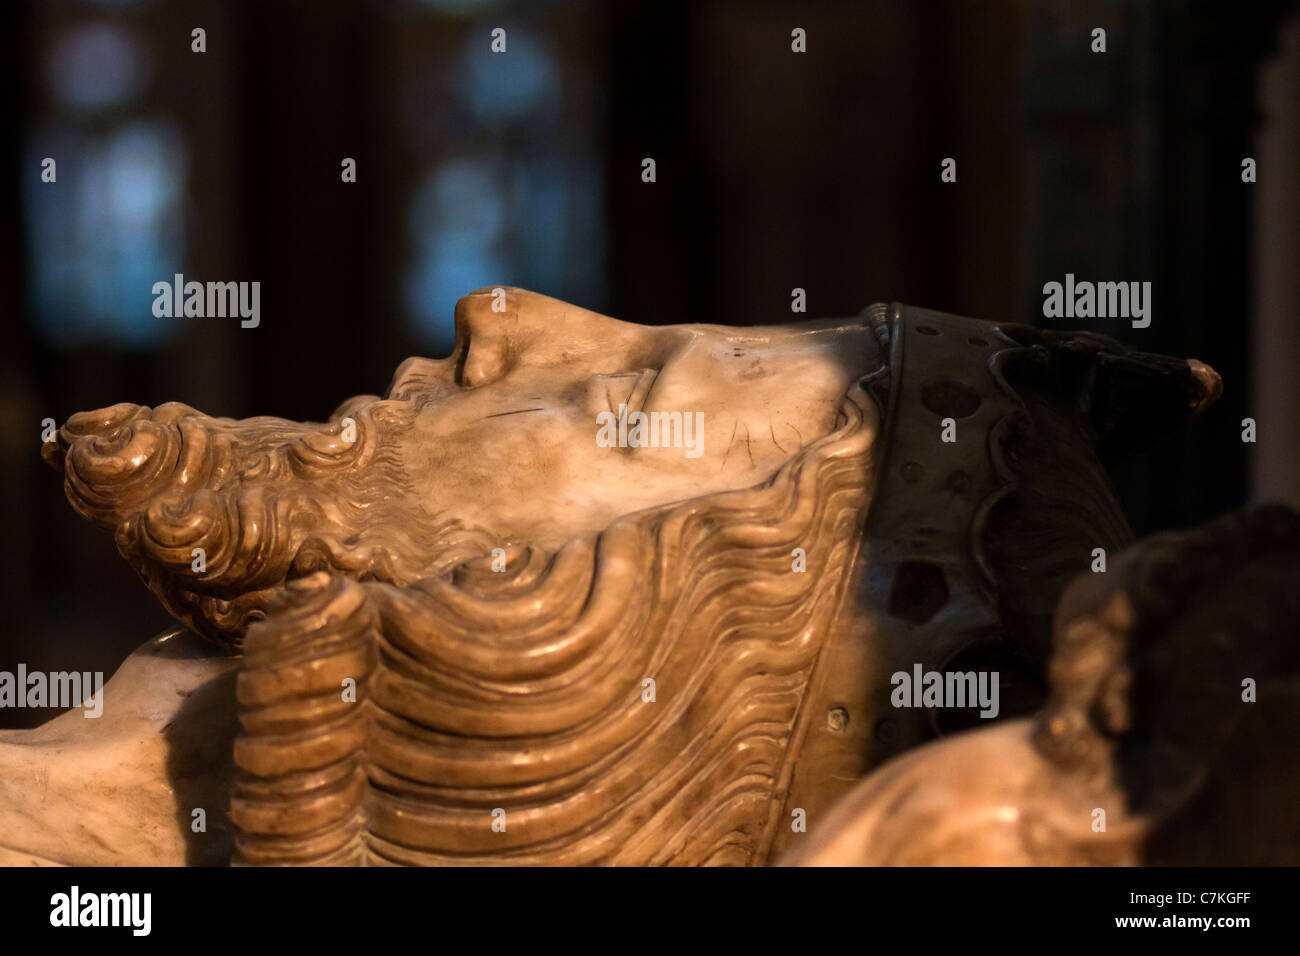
508, 424
626, 688
526, 435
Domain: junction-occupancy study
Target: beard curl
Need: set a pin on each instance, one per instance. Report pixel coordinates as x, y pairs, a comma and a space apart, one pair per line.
216, 514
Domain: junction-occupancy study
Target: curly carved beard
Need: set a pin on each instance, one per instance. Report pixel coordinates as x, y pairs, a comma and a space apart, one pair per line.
476, 689
523, 693
262, 501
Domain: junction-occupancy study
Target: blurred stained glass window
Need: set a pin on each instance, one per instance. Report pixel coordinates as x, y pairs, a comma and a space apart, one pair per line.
111, 224
512, 188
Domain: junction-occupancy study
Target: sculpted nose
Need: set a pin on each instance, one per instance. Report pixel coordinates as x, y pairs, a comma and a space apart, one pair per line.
484, 363
500, 328
485, 327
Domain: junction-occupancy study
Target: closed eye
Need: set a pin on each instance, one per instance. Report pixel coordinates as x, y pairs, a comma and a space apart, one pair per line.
609, 391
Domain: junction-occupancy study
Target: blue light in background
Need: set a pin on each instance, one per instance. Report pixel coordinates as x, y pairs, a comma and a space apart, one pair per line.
509, 87
525, 208
97, 65
112, 222
104, 232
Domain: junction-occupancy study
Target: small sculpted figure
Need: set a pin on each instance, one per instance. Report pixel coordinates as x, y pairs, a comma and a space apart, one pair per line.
1168, 736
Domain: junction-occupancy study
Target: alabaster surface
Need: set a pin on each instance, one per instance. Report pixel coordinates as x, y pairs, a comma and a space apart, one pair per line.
120, 789
450, 625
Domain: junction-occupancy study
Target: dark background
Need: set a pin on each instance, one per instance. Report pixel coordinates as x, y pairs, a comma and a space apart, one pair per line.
775, 170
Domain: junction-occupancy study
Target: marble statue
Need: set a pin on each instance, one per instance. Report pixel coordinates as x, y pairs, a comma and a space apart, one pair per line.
585, 591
